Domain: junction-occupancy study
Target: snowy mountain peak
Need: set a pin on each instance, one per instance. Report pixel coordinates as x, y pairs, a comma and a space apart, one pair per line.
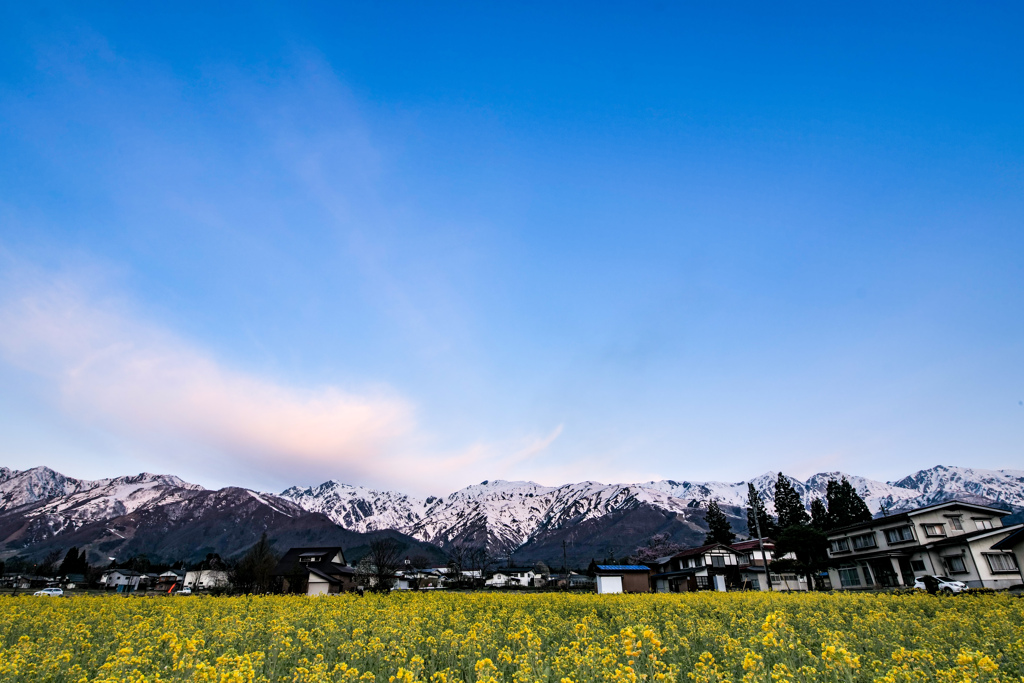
30, 486
942, 481
509, 513
503, 515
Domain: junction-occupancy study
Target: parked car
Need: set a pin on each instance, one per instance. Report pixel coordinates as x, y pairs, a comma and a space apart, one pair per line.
50, 593
945, 584
184, 591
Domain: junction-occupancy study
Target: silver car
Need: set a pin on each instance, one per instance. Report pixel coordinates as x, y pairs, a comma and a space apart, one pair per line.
50, 593
945, 584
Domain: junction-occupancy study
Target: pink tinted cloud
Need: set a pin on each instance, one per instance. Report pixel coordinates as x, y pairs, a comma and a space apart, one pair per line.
185, 411
145, 384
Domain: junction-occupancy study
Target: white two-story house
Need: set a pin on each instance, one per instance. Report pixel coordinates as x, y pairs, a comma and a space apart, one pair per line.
954, 539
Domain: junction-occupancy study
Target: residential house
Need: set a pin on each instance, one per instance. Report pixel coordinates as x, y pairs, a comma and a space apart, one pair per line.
25, 581
1014, 543
954, 539
206, 579
172, 579
319, 571
709, 567
73, 581
330, 578
416, 579
758, 554
512, 577
121, 579
570, 581
621, 578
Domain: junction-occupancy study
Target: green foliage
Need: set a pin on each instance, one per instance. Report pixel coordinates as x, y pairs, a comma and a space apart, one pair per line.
73, 563
819, 515
808, 544
788, 505
719, 529
756, 512
845, 506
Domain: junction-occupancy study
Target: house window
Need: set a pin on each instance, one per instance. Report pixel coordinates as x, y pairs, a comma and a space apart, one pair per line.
840, 545
900, 534
955, 564
983, 523
917, 565
934, 529
849, 576
957, 523
864, 542
717, 561
1001, 562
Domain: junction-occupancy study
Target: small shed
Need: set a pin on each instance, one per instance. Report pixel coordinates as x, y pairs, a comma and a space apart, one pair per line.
621, 578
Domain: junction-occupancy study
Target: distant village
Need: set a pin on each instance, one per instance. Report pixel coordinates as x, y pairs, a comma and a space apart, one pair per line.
951, 546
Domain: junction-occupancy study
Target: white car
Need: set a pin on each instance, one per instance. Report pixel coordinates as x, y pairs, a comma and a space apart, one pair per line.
945, 584
184, 591
50, 593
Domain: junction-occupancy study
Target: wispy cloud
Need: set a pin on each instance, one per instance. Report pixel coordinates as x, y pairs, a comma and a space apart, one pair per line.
145, 383
104, 365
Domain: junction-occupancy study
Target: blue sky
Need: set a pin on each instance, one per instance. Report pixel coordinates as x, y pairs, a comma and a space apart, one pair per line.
416, 247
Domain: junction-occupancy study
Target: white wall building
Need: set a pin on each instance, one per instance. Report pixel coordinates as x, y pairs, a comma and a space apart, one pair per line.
953, 539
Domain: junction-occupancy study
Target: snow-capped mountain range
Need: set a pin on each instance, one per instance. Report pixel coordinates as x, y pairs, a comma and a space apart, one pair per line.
512, 512
503, 515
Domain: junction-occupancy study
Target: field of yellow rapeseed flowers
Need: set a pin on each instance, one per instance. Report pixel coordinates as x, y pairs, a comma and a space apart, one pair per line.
486, 638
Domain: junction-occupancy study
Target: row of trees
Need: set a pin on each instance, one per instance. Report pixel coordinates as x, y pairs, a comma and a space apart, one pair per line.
793, 528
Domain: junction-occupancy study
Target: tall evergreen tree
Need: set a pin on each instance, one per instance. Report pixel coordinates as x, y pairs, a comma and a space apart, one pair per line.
70, 563
845, 506
755, 506
819, 515
719, 529
788, 505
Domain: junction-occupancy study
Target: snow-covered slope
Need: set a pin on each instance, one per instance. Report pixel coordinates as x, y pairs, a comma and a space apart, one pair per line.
25, 487
874, 492
358, 508
507, 514
502, 515
107, 498
943, 482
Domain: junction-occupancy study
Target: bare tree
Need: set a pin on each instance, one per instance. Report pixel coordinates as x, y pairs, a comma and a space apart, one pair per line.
482, 560
254, 573
459, 560
384, 558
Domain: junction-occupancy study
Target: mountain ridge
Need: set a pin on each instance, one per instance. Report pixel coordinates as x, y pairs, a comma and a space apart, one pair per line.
511, 513
39, 506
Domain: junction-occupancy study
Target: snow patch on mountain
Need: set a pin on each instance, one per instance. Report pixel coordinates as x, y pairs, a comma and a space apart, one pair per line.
500, 514
360, 509
108, 498
25, 487
506, 514
943, 482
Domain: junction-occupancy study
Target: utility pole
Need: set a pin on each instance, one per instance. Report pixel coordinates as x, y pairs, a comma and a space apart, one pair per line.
760, 543
565, 564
